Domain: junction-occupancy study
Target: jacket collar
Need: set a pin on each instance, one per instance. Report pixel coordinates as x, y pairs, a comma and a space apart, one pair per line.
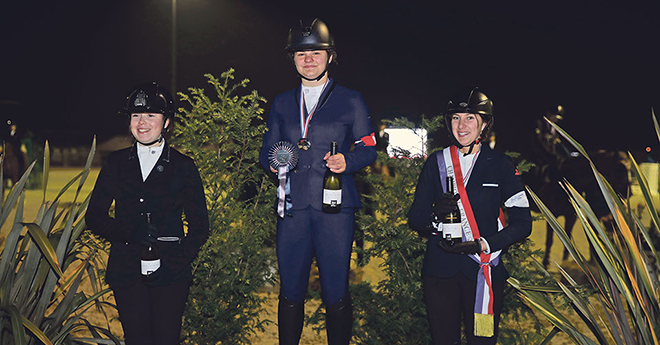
165, 156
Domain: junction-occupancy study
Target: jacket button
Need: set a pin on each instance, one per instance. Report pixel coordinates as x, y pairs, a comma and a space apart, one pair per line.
141, 200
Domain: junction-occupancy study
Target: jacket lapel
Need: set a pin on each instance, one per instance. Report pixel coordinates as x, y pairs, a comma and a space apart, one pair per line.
479, 172
133, 171
160, 166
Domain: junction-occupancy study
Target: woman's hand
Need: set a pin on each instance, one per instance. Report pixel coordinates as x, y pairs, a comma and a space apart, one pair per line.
336, 163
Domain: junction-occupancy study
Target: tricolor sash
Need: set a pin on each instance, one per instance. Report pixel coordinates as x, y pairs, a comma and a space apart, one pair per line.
484, 317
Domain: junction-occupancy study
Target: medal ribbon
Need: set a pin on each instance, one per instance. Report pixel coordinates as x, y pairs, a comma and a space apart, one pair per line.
484, 324
304, 123
281, 188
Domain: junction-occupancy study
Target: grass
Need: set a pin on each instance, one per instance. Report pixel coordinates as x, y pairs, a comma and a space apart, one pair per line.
57, 179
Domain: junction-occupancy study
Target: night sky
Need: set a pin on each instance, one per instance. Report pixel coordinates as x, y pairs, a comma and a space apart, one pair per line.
66, 66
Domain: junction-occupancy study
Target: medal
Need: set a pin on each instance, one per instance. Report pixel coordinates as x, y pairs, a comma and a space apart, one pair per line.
304, 144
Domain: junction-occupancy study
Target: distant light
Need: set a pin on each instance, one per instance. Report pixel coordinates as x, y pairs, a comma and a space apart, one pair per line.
648, 149
411, 140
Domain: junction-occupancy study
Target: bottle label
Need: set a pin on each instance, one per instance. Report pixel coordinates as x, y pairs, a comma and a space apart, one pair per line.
452, 230
332, 197
150, 266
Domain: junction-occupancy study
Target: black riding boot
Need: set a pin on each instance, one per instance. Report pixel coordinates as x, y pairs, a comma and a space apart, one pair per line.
290, 321
339, 321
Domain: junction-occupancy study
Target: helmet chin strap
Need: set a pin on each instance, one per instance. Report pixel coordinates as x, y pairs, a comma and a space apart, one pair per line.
460, 146
317, 78
159, 140
471, 147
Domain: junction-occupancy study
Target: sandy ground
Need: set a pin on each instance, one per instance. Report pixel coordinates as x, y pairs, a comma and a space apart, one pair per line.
372, 272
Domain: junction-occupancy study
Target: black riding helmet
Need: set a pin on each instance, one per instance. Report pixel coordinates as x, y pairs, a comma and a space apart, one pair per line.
311, 35
471, 101
150, 98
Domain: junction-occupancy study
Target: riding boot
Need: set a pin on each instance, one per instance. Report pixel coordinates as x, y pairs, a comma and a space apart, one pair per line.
290, 317
339, 321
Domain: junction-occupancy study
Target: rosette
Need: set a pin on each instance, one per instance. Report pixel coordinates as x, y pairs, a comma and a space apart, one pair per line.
283, 153
283, 157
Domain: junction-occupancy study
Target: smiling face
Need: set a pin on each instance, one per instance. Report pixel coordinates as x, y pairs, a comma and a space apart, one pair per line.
147, 127
310, 64
466, 128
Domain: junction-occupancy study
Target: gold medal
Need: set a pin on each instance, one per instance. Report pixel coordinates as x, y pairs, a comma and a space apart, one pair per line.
304, 144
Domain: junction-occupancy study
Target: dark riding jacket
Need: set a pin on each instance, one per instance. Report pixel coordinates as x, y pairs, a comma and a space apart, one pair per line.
173, 188
493, 181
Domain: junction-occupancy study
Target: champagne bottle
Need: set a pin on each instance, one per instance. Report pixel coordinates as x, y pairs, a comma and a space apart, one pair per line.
149, 255
332, 187
451, 224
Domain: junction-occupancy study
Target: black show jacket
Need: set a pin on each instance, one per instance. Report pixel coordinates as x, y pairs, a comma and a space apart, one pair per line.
173, 188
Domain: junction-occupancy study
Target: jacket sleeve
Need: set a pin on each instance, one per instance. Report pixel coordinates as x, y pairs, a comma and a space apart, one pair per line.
97, 217
519, 222
421, 211
271, 136
196, 216
363, 136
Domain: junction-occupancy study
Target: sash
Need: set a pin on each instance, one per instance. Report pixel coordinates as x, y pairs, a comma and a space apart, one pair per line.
484, 317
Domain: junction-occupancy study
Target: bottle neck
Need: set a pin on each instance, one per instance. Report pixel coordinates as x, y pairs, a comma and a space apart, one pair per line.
333, 148
450, 185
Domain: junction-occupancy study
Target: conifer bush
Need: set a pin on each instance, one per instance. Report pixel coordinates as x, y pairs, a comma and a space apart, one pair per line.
222, 131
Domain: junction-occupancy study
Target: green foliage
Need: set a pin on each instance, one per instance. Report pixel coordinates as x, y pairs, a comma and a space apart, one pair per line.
222, 133
43, 267
620, 303
393, 311
519, 324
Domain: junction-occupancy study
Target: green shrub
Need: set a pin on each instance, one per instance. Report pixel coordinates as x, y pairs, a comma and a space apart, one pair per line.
223, 135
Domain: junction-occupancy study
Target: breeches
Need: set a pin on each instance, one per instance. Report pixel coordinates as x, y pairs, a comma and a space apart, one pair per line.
151, 315
308, 233
450, 300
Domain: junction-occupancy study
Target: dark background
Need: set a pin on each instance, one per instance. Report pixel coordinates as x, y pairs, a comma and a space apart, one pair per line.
66, 66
